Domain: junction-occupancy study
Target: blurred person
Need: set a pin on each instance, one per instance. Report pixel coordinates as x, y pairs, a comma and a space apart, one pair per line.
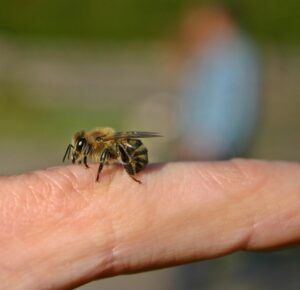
220, 86
219, 104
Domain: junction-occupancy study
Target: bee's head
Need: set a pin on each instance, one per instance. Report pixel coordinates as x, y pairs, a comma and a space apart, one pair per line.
80, 145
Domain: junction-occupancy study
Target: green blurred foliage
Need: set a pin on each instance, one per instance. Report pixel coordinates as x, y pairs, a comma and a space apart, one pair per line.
25, 120
274, 21
106, 19
114, 20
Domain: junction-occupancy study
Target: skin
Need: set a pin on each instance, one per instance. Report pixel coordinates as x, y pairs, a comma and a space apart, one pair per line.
59, 229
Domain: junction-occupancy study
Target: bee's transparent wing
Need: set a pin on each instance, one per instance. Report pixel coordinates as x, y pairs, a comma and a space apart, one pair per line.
132, 135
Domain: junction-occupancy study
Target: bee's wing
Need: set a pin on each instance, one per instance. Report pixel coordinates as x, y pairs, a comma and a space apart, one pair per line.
132, 135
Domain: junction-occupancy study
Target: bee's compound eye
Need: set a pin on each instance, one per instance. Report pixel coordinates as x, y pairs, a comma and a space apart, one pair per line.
81, 142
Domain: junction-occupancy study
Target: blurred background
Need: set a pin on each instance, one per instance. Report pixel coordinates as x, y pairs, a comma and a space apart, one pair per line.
218, 79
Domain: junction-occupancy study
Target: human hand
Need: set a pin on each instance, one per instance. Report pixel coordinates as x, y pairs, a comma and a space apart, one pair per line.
60, 229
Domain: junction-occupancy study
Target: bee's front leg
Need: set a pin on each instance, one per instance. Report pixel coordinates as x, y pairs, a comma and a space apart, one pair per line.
85, 162
103, 158
68, 151
86, 152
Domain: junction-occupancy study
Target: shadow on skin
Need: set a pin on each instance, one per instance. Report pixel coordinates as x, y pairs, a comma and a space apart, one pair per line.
115, 169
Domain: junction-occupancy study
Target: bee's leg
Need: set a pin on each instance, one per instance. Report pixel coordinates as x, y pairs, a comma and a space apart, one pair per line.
128, 164
71, 146
134, 178
86, 153
103, 157
85, 161
68, 151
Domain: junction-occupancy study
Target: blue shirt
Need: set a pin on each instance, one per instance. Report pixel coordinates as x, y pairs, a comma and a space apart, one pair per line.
220, 100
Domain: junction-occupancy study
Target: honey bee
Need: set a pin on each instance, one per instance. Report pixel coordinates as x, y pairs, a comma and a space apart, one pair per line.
104, 145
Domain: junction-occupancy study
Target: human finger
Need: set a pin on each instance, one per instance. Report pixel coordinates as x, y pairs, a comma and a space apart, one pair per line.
60, 228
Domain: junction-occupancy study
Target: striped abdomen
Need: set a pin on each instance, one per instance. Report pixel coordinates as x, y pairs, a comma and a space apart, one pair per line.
134, 155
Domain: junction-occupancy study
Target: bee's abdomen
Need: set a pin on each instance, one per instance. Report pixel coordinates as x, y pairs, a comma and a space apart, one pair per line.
138, 154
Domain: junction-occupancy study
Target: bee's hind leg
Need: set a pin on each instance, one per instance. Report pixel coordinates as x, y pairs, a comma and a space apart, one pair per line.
131, 172
138, 181
128, 165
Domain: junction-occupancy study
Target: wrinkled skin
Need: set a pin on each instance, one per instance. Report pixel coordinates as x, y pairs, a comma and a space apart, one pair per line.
60, 229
